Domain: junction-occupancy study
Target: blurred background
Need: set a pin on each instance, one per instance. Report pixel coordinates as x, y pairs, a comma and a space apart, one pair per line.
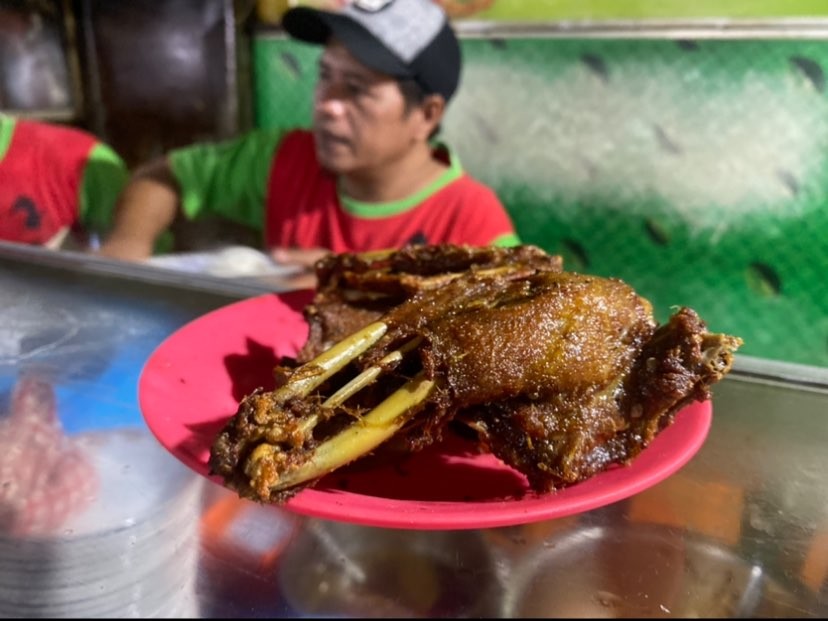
679, 146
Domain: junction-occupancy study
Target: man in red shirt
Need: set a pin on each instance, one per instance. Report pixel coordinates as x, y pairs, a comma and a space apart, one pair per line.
369, 175
58, 185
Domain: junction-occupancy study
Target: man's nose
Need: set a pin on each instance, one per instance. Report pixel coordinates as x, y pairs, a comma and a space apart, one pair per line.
331, 106
330, 102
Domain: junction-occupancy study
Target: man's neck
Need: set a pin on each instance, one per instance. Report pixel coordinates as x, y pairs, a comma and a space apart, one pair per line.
395, 181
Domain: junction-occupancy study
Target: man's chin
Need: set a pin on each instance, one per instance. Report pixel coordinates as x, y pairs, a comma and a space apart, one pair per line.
333, 165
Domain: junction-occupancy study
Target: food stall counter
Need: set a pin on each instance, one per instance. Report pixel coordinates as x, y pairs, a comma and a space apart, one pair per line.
98, 519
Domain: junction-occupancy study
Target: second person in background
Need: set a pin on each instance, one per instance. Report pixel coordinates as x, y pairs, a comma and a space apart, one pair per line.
369, 175
58, 184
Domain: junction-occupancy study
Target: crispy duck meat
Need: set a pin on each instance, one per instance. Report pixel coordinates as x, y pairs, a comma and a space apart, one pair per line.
559, 374
355, 289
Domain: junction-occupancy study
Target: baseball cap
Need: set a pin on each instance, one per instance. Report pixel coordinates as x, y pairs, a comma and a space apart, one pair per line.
401, 38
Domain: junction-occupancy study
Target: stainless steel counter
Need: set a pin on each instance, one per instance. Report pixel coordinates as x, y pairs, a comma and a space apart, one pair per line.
97, 519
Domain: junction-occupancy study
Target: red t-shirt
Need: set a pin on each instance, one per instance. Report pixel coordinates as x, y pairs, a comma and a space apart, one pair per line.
304, 209
270, 180
40, 176
52, 178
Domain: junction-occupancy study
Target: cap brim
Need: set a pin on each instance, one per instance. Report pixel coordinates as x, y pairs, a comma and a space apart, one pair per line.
315, 26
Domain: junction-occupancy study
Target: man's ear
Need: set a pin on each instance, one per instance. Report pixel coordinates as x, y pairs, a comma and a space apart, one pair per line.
432, 109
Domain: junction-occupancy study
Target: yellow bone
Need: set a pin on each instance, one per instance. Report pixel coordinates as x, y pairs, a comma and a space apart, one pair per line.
313, 373
357, 440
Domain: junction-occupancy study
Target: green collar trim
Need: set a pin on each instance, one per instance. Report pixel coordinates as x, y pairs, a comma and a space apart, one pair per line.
383, 210
7, 124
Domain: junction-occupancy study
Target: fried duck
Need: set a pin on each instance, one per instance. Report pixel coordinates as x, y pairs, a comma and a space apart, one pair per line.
355, 289
558, 374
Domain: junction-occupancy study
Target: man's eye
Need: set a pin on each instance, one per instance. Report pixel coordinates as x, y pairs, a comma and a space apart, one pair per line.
356, 88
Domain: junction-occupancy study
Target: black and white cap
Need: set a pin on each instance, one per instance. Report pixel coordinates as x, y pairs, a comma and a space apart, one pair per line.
401, 38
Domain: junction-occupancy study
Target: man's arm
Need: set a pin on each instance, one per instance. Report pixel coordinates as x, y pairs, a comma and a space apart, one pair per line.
104, 177
226, 179
145, 209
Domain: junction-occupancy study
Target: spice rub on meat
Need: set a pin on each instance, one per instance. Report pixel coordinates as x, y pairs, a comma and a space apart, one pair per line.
558, 374
355, 289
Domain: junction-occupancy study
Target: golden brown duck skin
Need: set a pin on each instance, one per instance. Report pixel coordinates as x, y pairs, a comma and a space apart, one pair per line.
490, 341
575, 435
591, 383
355, 289
560, 374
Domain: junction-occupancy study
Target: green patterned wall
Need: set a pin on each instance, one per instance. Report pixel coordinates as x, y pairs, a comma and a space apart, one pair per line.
694, 170
633, 9
566, 10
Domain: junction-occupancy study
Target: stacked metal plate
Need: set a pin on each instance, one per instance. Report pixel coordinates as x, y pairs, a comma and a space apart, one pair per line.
130, 552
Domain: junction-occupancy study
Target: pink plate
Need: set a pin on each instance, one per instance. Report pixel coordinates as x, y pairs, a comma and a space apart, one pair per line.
193, 381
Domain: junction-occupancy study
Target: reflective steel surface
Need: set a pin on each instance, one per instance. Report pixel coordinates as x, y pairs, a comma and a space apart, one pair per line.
97, 519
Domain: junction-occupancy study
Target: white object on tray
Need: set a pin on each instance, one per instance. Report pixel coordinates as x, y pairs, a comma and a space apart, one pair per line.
228, 261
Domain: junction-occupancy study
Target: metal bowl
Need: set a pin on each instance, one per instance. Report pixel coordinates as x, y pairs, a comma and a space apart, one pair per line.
339, 569
645, 571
